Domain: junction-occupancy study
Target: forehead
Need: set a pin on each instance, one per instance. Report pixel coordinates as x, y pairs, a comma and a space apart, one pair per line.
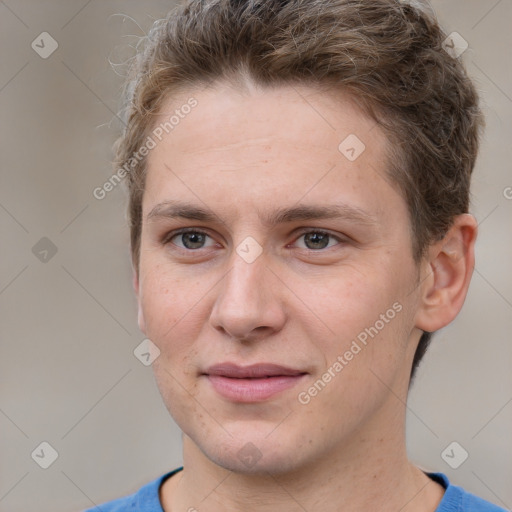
254, 116
260, 146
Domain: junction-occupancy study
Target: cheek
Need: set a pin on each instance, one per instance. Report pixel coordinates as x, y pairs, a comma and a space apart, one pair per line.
171, 309
365, 319
177, 391
345, 300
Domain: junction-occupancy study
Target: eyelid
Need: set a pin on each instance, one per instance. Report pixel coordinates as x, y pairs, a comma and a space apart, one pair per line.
172, 234
304, 231
301, 232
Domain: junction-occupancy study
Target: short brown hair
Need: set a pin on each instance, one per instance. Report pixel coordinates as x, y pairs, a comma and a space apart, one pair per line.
387, 53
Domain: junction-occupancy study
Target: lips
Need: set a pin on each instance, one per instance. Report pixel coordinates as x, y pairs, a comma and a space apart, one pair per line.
254, 371
252, 383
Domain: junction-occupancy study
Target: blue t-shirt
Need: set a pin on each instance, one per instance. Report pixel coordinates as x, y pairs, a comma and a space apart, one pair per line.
146, 499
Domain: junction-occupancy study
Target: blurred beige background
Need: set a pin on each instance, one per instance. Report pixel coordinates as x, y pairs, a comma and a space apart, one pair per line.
68, 375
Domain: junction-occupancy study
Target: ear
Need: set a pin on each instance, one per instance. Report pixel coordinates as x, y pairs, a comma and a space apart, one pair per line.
140, 314
446, 274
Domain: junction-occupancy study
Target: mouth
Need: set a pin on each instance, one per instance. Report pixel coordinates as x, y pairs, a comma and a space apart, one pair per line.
253, 383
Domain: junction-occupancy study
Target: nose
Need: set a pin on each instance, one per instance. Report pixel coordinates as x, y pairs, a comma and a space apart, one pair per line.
249, 304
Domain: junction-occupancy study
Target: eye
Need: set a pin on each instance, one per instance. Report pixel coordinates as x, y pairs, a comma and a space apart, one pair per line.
190, 239
316, 240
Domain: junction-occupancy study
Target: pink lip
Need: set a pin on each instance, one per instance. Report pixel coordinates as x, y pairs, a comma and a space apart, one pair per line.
253, 383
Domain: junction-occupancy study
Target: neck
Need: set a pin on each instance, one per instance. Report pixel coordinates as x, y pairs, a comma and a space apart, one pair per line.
370, 471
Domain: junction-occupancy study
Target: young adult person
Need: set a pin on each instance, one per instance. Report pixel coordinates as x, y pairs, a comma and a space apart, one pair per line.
299, 178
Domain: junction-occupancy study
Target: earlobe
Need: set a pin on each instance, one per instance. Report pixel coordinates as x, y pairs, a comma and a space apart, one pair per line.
449, 270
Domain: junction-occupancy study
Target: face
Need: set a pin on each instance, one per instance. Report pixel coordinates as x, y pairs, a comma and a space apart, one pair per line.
271, 237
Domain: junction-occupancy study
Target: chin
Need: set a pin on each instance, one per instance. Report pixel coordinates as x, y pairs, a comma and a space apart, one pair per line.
272, 464
255, 455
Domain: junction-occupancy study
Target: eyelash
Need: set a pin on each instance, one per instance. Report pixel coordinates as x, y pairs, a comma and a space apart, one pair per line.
167, 238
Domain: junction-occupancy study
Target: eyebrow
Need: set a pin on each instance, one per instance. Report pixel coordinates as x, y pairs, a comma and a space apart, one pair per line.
184, 210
